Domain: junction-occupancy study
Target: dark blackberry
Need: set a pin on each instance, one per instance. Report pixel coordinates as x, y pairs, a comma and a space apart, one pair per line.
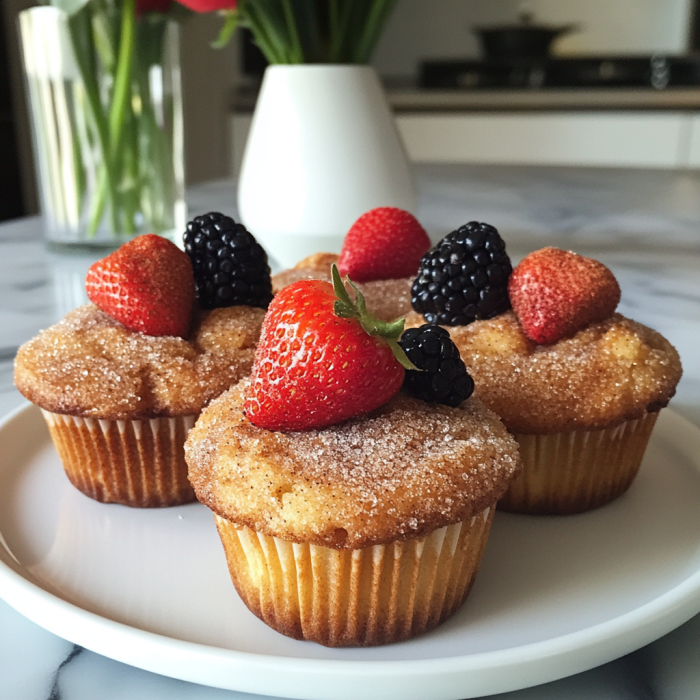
464, 277
444, 378
230, 266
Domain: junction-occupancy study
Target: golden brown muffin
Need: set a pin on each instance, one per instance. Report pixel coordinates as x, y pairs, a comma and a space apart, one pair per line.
361, 533
88, 364
313, 267
596, 393
119, 403
607, 373
386, 299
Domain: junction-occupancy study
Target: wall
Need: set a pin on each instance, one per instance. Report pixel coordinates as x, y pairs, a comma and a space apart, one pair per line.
12, 8
620, 26
441, 28
208, 78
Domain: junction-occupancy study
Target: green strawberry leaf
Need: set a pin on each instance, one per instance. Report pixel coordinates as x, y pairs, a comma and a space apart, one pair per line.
345, 307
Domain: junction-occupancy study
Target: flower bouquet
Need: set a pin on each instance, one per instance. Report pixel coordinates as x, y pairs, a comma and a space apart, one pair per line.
304, 31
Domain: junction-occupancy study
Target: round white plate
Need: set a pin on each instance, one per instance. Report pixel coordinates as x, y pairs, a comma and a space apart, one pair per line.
554, 596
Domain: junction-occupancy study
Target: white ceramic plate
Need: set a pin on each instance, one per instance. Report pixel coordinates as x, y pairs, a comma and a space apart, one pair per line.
554, 596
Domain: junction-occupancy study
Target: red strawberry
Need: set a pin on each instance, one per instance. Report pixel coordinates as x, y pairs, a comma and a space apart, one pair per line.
556, 293
383, 244
147, 285
317, 364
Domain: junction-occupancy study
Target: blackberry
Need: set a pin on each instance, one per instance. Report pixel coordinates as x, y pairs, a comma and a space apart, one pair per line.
230, 266
444, 378
464, 277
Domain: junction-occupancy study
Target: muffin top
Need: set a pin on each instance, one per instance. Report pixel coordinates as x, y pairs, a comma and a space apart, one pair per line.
88, 364
607, 373
396, 473
386, 299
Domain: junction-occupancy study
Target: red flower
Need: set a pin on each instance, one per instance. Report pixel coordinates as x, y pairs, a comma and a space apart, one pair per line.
209, 5
143, 6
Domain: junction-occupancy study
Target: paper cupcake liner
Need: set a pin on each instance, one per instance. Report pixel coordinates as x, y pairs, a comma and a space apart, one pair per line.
567, 473
138, 463
355, 597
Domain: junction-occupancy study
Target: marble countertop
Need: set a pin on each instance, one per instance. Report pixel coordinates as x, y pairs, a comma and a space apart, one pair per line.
645, 225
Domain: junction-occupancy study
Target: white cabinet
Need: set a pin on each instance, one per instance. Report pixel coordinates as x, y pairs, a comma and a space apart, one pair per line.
644, 139
633, 139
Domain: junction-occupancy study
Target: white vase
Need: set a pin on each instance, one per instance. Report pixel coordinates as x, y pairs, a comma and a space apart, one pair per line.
322, 150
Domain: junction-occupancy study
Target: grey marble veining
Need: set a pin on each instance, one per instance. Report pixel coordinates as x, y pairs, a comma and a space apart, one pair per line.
645, 225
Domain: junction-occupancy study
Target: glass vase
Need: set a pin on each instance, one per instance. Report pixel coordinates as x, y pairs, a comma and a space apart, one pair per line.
106, 111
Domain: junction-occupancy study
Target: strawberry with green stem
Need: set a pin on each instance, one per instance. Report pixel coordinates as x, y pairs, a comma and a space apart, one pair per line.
322, 358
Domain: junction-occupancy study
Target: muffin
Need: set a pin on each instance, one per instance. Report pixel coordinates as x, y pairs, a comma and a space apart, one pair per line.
346, 530
358, 534
578, 385
120, 386
582, 409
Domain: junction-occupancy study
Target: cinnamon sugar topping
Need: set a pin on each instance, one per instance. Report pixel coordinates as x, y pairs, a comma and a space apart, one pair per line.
396, 473
90, 365
386, 299
609, 372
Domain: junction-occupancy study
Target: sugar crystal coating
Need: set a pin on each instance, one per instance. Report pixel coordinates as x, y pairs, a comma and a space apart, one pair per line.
396, 473
605, 374
88, 364
386, 299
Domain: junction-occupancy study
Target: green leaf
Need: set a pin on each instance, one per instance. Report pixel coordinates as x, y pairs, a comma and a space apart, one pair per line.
345, 307
401, 356
373, 25
266, 21
70, 7
230, 25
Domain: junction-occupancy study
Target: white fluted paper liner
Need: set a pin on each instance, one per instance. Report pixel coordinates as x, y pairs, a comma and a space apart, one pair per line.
574, 472
138, 463
355, 597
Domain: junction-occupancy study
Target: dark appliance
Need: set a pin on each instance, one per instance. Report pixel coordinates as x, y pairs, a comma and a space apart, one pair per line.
519, 41
655, 71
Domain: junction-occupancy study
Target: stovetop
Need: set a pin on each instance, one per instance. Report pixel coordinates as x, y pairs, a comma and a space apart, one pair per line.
656, 71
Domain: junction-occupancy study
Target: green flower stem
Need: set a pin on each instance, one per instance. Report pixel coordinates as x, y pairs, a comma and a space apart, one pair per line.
379, 13
339, 19
306, 31
79, 29
265, 36
130, 148
296, 50
99, 201
122, 81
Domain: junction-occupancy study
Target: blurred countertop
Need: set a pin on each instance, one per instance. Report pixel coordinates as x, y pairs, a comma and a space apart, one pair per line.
407, 98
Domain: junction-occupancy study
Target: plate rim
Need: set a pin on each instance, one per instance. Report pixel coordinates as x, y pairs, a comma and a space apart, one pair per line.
460, 676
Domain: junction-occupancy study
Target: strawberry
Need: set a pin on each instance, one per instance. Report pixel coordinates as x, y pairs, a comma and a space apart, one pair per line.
556, 293
383, 244
322, 359
147, 285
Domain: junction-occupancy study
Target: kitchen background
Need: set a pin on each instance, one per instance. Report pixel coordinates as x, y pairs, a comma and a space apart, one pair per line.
617, 126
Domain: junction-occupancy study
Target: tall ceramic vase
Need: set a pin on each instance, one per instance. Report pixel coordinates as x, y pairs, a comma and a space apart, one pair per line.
322, 150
